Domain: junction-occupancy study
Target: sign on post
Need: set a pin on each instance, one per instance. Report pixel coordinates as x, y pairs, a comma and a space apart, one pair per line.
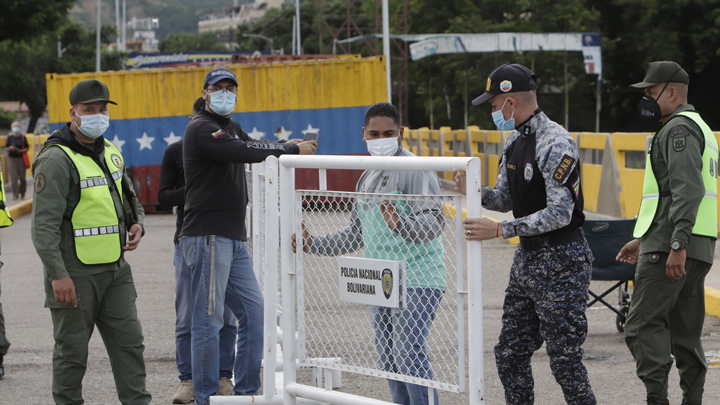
370, 281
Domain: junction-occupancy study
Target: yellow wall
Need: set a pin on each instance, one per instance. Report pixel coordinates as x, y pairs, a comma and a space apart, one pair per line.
263, 87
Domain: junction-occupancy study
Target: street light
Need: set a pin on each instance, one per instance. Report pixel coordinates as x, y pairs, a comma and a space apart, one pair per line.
261, 37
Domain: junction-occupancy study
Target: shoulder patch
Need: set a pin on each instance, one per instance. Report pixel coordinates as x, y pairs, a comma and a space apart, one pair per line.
678, 138
218, 133
39, 183
563, 169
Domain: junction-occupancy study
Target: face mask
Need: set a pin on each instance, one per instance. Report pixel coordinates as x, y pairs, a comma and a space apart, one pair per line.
649, 109
222, 102
93, 126
500, 121
383, 146
16, 130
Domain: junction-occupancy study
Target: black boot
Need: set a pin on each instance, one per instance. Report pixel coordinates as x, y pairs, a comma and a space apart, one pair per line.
684, 402
2, 368
655, 401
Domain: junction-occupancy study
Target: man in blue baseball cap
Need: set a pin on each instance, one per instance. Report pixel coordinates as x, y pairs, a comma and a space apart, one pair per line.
215, 150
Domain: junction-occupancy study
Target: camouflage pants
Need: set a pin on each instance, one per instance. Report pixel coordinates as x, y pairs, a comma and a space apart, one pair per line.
546, 301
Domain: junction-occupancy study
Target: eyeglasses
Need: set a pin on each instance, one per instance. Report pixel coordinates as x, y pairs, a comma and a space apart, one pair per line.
231, 89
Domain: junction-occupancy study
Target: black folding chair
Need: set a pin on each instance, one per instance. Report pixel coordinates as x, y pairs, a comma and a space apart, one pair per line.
606, 238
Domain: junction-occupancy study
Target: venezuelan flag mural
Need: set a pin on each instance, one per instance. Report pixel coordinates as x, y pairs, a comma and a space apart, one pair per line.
276, 101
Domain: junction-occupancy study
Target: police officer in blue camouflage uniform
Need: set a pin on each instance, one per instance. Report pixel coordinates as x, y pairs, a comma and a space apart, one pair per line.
539, 179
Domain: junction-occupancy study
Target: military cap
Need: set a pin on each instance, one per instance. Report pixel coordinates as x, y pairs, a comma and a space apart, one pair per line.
663, 72
90, 91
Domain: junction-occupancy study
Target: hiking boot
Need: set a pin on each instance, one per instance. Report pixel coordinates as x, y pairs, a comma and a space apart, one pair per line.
655, 401
185, 393
226, 387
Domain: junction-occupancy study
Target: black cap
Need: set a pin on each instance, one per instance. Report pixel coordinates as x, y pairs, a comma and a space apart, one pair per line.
663, 72
90, 91
508, 78
218, 74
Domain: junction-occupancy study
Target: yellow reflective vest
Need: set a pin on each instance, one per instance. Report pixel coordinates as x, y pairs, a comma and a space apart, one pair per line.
95, 221
706, 221
5, 218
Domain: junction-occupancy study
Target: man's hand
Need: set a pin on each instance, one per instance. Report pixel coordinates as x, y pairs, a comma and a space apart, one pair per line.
630, 252
675, 266
294, 141
133, 240
481, 229
64, 290
390, 214
459, 181
307, 147
306, 240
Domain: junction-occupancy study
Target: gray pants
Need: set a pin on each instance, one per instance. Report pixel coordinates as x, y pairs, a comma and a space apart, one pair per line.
17, 170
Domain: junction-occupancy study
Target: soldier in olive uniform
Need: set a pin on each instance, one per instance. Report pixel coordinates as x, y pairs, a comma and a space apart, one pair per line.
676, 230
85, 216
539, 179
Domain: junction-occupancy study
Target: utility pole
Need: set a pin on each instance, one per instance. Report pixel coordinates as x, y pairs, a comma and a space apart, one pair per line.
97, 40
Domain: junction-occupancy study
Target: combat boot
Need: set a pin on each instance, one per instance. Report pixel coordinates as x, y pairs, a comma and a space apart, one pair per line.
226, 387
684, 402
655, 401
185, 393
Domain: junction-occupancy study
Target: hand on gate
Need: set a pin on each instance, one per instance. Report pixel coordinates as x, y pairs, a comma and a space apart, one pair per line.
306, 240
390, 214
630, 252
459, 181
64, 290
307, 147
481, 229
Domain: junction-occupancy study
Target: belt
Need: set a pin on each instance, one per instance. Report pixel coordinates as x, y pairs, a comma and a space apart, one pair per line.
532, 243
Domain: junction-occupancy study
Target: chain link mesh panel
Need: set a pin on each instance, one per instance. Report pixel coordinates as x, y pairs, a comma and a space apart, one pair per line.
421, 342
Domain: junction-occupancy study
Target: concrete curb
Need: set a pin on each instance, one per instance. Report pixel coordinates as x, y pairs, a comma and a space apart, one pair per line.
21, 208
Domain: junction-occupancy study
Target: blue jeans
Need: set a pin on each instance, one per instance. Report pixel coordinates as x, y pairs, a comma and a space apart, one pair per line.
183, 323
400, 341
222, 275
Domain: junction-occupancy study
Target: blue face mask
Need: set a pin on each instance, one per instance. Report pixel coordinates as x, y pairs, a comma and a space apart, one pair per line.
222, 102
500, 121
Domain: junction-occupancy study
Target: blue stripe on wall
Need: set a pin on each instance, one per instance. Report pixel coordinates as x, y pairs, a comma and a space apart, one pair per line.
340, 131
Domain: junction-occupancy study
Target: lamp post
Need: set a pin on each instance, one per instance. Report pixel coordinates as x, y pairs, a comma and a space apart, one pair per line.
261, 37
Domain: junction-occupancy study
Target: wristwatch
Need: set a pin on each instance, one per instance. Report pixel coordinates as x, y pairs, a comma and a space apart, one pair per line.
678, 245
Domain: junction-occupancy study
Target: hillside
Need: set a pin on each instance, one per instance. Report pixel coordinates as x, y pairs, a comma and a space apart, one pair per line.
174, 15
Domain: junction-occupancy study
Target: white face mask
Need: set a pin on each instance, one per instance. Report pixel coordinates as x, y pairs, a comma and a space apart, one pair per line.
94, 125
222, 102
383, 146
16, 130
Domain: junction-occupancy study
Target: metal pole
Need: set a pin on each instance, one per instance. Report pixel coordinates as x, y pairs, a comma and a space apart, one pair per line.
294, 32
287, 264
117, 24
297, 26
386, 46
124, 37
474, 287
598, 103
567, 95
97, 40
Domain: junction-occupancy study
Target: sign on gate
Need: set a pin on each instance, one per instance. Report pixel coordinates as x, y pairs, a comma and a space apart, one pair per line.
370, 281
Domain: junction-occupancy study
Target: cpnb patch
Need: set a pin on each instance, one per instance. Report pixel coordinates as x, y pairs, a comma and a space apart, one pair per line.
679, 144
563, 169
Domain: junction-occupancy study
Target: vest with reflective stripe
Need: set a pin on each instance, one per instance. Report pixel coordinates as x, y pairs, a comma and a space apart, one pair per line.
95, 222
707, 216
5, 218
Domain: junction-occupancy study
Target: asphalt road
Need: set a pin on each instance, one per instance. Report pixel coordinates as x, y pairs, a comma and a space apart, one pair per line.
29, 362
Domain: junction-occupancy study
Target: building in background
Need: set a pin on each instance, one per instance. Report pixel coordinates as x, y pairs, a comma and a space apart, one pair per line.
224, 24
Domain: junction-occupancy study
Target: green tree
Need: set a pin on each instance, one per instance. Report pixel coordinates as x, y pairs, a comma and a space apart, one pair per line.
28, 61
186, 42
31, 18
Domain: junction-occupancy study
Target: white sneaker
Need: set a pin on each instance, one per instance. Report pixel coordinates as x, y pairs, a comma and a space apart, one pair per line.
226, 387
185, 393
